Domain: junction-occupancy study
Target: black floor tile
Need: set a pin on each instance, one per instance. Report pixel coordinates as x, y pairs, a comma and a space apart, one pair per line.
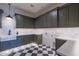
35, 48
27, 48
45, 54
30, 51
34, 54
48, 47
23, 54
21, 51
50, 52
11, 54
39, 51
44, 48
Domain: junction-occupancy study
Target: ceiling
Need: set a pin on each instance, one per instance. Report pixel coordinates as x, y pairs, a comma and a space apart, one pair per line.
35, 9
31, 7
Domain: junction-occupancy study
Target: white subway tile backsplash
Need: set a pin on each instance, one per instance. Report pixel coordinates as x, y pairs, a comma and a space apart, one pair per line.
53, 31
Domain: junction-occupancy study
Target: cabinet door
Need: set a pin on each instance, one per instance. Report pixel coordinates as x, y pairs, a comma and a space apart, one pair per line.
40, 22
49, 40
0, 46
27, 39
24, 21
51, 19
5, 45
8, 45
19, 40
63, 17
1, 11
48, 20
59, 43
19, 21
38, 39
74, 15
28, 22
0, 20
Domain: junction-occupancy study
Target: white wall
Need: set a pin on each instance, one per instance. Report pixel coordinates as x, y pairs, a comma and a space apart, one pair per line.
25, 31
10, 24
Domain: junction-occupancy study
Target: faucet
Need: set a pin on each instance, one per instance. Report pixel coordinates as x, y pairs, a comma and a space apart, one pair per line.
9, 33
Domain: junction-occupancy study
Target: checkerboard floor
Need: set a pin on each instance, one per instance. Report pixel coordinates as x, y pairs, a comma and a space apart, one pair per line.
41, 50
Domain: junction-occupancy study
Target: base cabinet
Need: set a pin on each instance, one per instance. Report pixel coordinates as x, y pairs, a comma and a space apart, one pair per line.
38, 39
49, 40
19, 41
59, 43
24, 39
8, 45
27, 39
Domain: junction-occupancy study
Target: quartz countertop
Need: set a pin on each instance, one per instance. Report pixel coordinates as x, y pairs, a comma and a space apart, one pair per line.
70, 47
12, 37
7, 37
67, 38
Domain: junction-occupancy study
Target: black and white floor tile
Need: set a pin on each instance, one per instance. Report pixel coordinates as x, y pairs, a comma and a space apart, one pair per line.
41, 50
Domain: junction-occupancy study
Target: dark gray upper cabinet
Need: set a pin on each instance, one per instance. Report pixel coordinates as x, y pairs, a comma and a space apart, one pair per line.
69, 16
48, 20
28, 22
1, 11
40, 22
63, 17
52, 19
74, 15
19, 21
24, 21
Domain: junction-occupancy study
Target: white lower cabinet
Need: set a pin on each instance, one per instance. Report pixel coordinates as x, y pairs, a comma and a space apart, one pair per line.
49, 39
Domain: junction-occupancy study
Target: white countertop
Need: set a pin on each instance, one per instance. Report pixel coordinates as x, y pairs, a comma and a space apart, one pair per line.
7, 37
67, 38
70, 47
11, 37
